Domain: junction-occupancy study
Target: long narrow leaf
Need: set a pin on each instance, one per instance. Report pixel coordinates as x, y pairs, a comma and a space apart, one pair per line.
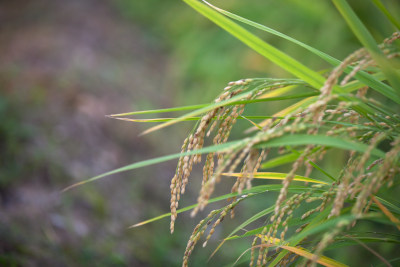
362, 76
330, 141
277, 95
274, 176
275, 55
278, 161
364, 36
384, 10
153, 161
323, 260
253, 190
239, 97
244, 224
392, 218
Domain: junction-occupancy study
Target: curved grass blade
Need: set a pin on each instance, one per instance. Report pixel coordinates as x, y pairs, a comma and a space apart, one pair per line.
315, 165
390, 205
329, 141
193, 206
344, 241
274, 176
348, 88
235, 99
140, 164
278, 161
285, 112
329, 224
392, 218
231, 236
275, 55
254, 232
244, 224
188, 119
390, 261
275, 95
254, 190
323, 260
366, 39
159, 110
252, 122
370, 250
296, 239
362, 76
384, 10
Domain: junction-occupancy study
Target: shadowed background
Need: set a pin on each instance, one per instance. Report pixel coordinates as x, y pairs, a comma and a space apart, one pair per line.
66, 64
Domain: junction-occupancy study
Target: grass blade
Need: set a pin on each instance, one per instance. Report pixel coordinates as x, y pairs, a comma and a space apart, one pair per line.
366, 39
255, 189
244, 224
384, 10
160, 110
362, 76
248, 118
275, 55
235, 99
295, 240
391, 217
220, 148
278, 161
329, 141
323, 260
274, 176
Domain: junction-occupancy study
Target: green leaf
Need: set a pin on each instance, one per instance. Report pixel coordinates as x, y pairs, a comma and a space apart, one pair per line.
275, 55
278, 161
312, 163
235, 99
221, 147
384, 10
253, 190
362, 76
366, 39
244, 224
227, 103
295, 240
275, 176
330, 141
194, 119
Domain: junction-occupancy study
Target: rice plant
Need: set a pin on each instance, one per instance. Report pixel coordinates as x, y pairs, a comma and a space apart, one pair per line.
338, 110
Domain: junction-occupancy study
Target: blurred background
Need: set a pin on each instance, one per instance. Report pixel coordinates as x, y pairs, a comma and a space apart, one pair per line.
64, 65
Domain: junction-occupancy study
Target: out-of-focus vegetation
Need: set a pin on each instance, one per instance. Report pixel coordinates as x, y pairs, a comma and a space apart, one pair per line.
67, 64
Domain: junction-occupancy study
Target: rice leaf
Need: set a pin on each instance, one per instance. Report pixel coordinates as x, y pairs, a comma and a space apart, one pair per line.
244, 224
275, 55
330, 141
274, 176
392, 218
140, 164
323, 260
239, 97
278, 161
277, 95
366, 39
384, 10
295, 240
253, 190
362, 76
